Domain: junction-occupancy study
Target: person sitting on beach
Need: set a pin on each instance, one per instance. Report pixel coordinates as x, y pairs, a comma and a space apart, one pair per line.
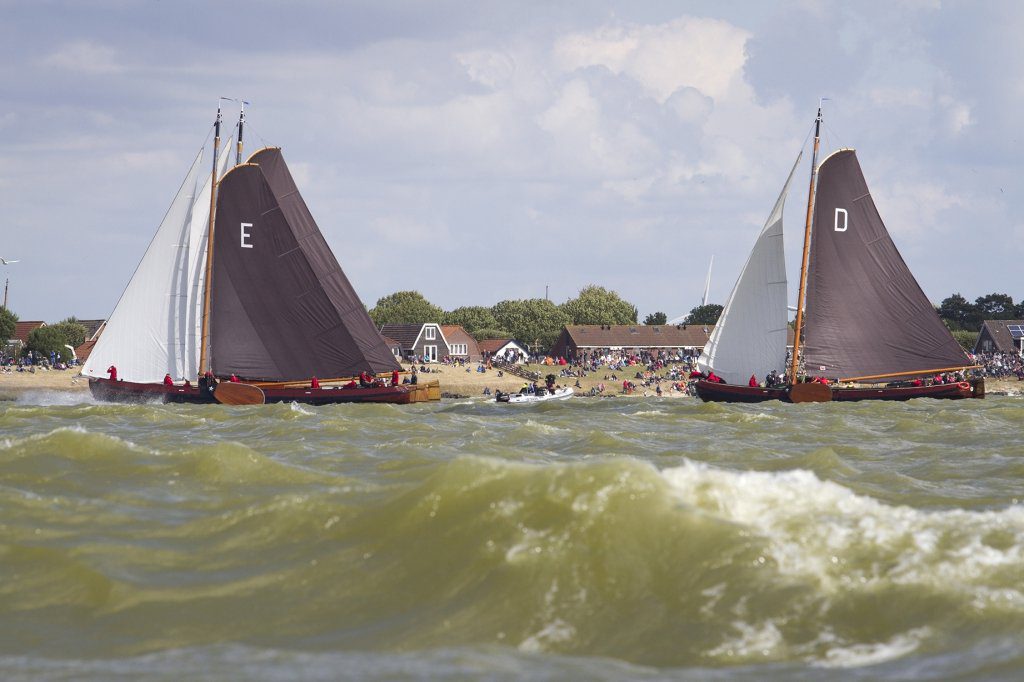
112, 371
168, 381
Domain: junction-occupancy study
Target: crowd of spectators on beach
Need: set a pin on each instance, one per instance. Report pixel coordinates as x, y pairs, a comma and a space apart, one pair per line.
33, 360
1000, 365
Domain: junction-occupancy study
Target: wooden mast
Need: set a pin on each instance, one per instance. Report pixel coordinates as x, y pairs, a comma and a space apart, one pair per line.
205, 333
807, 250
241, 125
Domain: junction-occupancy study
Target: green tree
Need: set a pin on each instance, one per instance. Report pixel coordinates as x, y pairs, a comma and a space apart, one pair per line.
957, 311
405, 307
56, 338
536, 322
472, 318
481, 334
656, 318
74, 331
968, 340
704, 314
7, 323
994, 307
597, 305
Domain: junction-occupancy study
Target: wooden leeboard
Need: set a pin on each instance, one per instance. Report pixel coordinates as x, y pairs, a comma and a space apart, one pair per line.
235, 393
812, 392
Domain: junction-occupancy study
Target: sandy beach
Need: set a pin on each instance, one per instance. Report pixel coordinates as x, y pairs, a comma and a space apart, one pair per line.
454, 381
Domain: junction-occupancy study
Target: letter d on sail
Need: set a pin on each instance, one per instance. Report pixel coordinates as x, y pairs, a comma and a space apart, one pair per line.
842, 212
245, 235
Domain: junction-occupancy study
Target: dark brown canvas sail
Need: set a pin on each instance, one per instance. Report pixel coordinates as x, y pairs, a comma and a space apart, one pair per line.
866, 314
281, 308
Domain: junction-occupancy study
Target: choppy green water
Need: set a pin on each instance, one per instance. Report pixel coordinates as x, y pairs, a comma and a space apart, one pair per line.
590, 539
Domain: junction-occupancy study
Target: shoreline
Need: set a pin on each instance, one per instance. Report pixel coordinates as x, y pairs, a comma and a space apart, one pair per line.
455, 382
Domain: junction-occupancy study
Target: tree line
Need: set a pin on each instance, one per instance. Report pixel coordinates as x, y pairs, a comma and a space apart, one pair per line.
44, 340
535, 321
959, 314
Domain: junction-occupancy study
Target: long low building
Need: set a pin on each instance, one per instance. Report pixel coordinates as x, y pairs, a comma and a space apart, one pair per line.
579, 338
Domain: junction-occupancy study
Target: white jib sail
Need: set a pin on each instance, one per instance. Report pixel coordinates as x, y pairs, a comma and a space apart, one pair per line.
191, 317
139, 338
750, 336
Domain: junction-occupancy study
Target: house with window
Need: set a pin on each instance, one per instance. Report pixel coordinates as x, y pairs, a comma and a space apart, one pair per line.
22, 329
1000, 336
460, 344
424, 342
503, 348
394, 346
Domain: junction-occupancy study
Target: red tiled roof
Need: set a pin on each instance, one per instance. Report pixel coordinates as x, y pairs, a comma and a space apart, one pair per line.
23, 329
83, 351
491, 345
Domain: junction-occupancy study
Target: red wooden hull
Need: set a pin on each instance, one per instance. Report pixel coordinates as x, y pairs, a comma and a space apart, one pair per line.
131, 392
727, 393
954, 391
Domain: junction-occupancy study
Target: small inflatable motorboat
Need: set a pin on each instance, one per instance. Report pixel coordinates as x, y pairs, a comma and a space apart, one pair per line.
542, 395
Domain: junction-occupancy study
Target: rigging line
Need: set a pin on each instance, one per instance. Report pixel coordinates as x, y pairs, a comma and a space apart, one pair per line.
806, 137
829, 130
255, 133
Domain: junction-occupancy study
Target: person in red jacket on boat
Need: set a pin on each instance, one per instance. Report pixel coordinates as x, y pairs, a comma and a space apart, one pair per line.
112, 371
314, 383
753, 382
714, 378
394, 377
168, 381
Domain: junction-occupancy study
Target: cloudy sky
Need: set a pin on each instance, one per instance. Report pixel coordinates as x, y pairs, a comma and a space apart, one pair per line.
480, 151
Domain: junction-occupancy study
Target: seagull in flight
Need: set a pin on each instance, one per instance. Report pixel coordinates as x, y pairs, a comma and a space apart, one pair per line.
8, 262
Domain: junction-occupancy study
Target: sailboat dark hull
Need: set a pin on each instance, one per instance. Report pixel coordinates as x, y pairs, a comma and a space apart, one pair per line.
727, 393
131, 392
